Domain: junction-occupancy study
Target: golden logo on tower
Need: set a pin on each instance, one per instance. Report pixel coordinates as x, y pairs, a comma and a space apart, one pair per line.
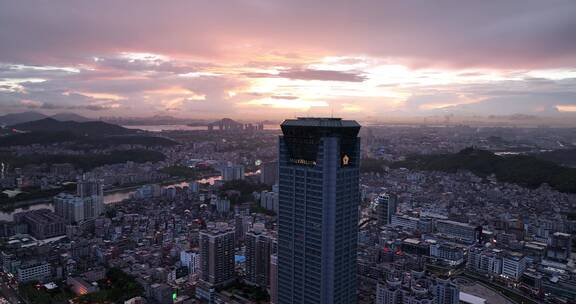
345, 160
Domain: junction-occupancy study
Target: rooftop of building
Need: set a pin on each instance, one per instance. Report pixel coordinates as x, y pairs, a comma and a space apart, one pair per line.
33, 265
42, 215
412, 241
320, 122
215, 229
561, 234
456, 223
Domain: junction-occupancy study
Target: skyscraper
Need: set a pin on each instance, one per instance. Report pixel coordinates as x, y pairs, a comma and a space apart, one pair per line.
318, 210
217, 254
385, 209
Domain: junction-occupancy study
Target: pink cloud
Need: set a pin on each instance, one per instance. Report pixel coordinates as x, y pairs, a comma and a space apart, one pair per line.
239, 51
516, 33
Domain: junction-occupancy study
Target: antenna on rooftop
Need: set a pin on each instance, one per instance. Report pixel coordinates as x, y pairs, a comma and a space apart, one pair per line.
331, 110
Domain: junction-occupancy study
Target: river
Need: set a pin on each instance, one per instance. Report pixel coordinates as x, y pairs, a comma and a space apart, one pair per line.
109, 198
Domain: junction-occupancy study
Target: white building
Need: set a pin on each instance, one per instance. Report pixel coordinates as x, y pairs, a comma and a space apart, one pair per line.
485, 260
445, 292
513, 265
458, 230
452, 254
404, 221
75, 208
191, 260
389, 292
34, 272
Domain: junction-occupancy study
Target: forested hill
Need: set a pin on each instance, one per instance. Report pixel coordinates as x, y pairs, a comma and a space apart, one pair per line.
89, 128
527, 171
93, 133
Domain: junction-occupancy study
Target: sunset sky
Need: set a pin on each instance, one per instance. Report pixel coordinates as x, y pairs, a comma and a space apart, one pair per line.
278, 58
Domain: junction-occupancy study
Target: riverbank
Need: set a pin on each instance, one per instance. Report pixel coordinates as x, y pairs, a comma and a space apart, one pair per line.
136, 186
7, 207
110, 195
48, 199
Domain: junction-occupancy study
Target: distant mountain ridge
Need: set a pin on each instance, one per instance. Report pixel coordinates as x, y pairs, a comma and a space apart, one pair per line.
18, 118
89, 128
71, 117
92, 133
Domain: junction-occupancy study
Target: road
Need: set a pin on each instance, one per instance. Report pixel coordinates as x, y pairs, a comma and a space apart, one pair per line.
7, 291
9, 294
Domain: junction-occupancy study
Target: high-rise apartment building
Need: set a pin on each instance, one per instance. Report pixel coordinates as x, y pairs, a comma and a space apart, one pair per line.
70, 207
75, 208
273, 290
385, 208
318, 210
269, 200
232, 172
269, 173
88, 202
259, 247
242, 224
217, 254
87, 187
191, 260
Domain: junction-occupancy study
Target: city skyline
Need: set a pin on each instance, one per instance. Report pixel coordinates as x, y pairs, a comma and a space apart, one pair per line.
276, 59
288, 152
238, 213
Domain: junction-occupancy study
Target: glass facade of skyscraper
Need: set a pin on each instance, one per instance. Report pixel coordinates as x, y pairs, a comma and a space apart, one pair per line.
318, 210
